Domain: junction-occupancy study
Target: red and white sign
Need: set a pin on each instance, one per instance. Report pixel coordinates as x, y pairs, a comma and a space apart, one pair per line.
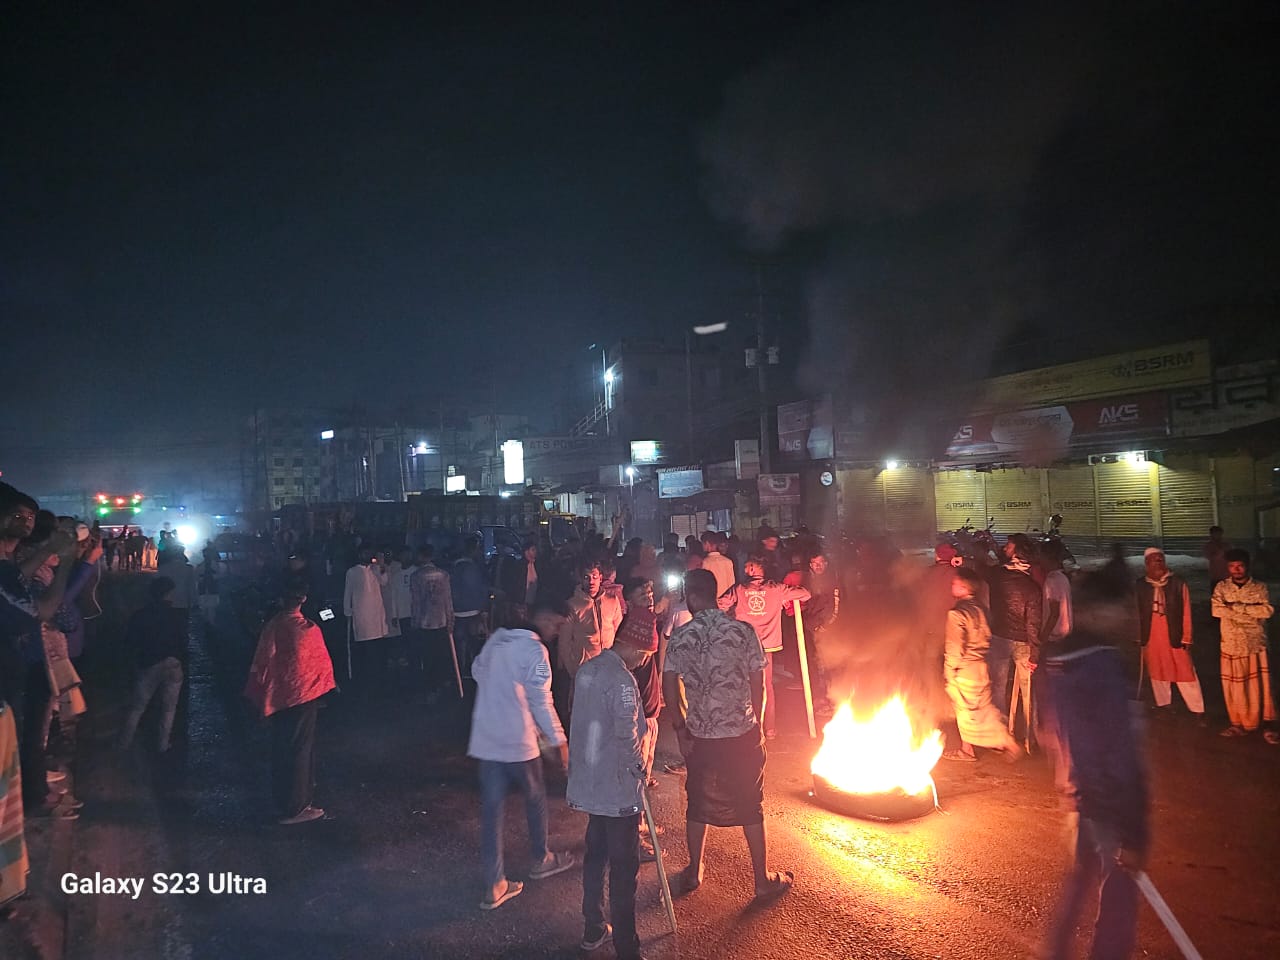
1046, 432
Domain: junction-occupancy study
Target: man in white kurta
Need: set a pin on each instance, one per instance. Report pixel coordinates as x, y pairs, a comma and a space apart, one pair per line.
362, 603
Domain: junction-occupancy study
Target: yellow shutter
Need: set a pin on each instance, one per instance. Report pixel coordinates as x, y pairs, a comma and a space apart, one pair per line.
1013, 498
1124, 500
908, 498
861, 502
1186, 496
1237, 496
1071, 494
959, 495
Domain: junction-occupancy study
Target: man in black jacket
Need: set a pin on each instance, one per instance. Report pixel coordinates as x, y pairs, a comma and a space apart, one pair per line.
1016, 613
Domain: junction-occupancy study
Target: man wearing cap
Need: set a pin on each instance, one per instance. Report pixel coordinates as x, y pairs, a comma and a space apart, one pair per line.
1243, 606
607, 772
1164, 630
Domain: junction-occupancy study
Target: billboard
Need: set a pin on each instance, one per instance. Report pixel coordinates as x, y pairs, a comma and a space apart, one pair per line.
679, 482
1158, 368
778, 489
1048, 432
805, 430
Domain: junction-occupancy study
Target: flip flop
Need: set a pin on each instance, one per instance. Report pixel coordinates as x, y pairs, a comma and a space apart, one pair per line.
686, 882
960, 755
557, 863
513, 889
779, 883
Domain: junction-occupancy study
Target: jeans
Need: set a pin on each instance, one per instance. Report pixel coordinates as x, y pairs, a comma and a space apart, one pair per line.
615, 841
164, 676
293, 757
999, 660
29, 713
496, 780
1115, 928
469, 637
770, 708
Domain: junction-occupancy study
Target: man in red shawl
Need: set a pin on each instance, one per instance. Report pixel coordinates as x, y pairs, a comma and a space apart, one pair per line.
1164, 630
291, 671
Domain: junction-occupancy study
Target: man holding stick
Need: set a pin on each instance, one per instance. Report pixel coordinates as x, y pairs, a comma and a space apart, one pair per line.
720, 663
606, 775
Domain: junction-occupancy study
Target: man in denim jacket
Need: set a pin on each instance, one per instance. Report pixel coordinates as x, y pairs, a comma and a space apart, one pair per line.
606, 776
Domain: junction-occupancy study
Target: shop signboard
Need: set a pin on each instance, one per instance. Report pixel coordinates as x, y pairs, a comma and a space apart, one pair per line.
746, 460
805, 430
1047, 432
778, 489
1243, 400
677, 482
1157, 368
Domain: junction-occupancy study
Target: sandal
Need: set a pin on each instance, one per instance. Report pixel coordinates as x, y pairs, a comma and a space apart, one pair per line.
960, 755
1272, 737
555, 863
687, 882
779, 883
1232, 731
512, 889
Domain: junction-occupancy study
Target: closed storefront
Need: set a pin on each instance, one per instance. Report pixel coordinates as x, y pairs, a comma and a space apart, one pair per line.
1186, 497
1236, 483
1014, 500
1125, 506
908, 503
861, 501
960, 497
1071, 494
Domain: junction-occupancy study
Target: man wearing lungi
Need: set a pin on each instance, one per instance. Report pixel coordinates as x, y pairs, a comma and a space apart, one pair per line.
720, 663
1164, 625
1244, 607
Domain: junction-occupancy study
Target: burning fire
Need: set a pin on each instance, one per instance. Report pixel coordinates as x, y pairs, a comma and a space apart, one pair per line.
881, 755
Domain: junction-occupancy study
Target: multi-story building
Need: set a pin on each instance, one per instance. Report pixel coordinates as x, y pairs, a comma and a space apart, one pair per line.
281, 457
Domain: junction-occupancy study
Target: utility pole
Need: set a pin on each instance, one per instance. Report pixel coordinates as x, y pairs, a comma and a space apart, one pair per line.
765, 459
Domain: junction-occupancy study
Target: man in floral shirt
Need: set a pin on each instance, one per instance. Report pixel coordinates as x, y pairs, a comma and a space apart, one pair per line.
720, 662
1244, 607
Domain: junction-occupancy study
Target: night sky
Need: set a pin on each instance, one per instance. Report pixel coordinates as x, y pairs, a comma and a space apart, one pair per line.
208, 212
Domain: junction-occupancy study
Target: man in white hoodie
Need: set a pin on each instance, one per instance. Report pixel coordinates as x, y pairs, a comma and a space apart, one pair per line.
513, 705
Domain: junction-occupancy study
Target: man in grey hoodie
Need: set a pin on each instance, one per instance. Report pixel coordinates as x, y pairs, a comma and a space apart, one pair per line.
606, 776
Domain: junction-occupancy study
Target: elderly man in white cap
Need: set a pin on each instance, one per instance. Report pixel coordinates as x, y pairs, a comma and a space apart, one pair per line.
1164, 630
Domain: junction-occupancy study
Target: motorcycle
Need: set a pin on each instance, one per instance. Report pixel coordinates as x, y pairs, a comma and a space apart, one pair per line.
1050, 541
978, 546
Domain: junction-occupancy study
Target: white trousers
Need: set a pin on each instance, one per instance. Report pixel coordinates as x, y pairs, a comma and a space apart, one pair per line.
1190, 690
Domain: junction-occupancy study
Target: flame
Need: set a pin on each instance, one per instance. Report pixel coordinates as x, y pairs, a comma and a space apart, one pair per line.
879, 755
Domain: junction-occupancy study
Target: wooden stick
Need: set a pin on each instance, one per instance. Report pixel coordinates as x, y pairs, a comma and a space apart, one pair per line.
657, 856
1166, 915
804, 670
349, 629
1142, 660
457, 673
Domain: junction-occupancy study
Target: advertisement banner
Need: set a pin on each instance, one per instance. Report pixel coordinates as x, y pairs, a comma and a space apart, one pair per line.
746, 459
679, 482
805, 430
1175, 365
778, 489
1243, 400
1048, 432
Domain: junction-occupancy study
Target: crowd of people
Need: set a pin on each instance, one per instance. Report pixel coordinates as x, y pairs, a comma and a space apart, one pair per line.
604, 642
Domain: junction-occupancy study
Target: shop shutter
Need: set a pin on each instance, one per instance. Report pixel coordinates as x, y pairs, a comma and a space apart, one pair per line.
861, 502
1186, 496
909, 507
1013, 499
1124, 501
1237, 496
1071, 494
959, 495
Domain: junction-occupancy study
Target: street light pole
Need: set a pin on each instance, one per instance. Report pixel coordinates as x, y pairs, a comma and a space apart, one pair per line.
760, 381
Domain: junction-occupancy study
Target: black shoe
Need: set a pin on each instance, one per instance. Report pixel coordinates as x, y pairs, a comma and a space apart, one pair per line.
595, 939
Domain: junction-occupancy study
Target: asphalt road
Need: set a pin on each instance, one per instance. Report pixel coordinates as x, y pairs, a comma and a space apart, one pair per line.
394, 872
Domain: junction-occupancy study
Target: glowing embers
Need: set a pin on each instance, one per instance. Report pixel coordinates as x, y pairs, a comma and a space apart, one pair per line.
876, 768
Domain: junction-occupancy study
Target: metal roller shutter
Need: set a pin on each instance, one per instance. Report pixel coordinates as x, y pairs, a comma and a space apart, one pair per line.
959, 495
1186, 496
908, 498
1013, 498
1237, 496
861, 502
1071, 494
1124, 501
